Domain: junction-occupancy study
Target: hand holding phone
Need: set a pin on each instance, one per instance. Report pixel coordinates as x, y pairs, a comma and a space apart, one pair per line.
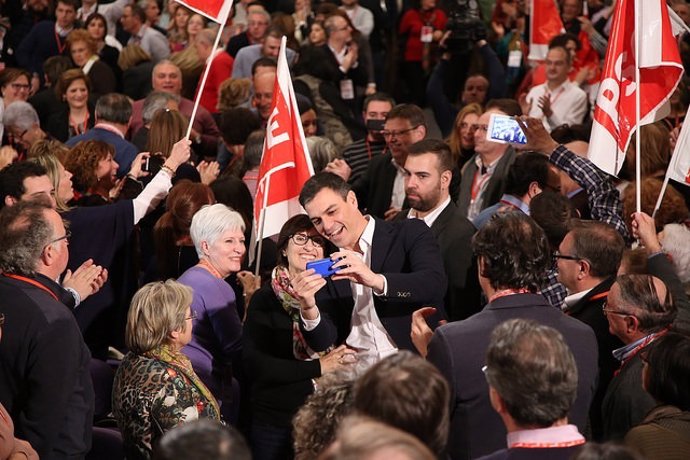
323, 267
505, 129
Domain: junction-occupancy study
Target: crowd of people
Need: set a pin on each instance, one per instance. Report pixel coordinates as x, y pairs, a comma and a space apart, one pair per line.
484, 299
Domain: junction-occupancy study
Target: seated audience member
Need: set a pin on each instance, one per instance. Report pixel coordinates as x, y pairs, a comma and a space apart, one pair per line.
43, 356
532, 377
45, 101
155, 387
639, 310
221, 67
175, 252
93, 172
137, 67
113, 114
155, 101
461, 138
483, 176
277, 355
406, 392
218, 236
202, 439
84, 54
247, 56
258, 21
316, 422
513, 257
363, 438
21, 121
77, 116
665, 430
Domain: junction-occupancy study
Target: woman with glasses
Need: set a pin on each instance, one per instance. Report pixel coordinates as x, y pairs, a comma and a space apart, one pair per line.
218, 236
280, 363
15, 85
155, 387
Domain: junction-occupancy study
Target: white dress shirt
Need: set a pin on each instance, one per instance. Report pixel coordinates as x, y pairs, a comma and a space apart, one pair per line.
430, 218
568, 104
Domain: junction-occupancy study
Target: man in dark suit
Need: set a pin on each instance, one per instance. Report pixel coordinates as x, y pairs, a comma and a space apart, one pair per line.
513, 257
428, 175
483, 175
393, 268
381, 190
588, 259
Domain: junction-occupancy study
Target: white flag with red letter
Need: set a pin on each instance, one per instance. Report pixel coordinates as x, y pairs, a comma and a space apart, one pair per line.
660, 71
285, 164
679, 167
545, 23
216, 10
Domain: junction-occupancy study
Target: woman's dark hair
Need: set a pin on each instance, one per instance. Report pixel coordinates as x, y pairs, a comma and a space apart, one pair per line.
83, 160
296, 224
92, 17
668, 371
10, 74
184, 200
67, 78
233, 192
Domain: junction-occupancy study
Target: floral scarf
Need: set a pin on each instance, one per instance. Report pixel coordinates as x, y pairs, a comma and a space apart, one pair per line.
179, 362
282, 288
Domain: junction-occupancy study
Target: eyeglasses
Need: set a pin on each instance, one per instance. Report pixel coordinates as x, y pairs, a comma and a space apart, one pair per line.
191, 317
558, 255
389, 133
300, 239
606, 310
66, 236
20, 86
477, 127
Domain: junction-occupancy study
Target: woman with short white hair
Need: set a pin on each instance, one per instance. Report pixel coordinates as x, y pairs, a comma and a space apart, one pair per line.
218, 235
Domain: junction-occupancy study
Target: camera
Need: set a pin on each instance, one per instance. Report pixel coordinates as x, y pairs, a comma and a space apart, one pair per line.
464, 24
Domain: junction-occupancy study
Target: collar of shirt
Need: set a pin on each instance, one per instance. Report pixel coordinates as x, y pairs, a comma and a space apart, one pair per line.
339, 56
430, 218
486, 169
572, 299
515, 202
366, 238
574, 192
553, 435
84, 12
622, 353
110, 128
62, 32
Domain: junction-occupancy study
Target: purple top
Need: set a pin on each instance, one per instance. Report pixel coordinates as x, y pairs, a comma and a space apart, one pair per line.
217, 333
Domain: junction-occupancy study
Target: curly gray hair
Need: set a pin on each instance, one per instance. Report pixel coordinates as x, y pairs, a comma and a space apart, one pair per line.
24, 233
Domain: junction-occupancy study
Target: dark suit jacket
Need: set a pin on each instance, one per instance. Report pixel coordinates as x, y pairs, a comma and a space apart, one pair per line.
407, 254
495, 187
588, 310
459, 351
320, 62
375, 187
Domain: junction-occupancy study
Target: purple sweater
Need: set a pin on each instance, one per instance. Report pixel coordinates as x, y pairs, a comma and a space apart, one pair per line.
217, 333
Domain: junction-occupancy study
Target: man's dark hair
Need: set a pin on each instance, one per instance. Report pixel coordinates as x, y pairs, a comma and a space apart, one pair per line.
381, 97
533, 370
201, 440
565, 134
115, 108
668, 371
409, 112
562, 40
237, 124
253, 148
73, 3
320, 181
514, 251
138, 12
528, 167
639, 297
435, 147
12, 179
54, 66
24, 233
508, 106
553, 212
264, 62
407, 392
599, 244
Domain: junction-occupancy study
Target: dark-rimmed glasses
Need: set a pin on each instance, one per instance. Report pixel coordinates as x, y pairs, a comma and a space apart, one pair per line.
389, 133
300, 239
558, 255
606, 310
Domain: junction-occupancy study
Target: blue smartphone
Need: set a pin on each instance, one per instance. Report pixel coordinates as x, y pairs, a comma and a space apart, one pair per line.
323, 267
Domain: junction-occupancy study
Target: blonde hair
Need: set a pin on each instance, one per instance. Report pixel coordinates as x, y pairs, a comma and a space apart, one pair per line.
131, 55
157, 309
454, 141
47, 153
233, 92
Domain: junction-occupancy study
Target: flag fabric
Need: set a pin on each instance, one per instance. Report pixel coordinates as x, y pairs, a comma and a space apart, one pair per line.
679, 167
660, 71
545, 23
216, 10
285, 163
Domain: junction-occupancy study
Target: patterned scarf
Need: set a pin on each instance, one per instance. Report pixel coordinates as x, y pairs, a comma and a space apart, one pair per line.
282, 288
179, 362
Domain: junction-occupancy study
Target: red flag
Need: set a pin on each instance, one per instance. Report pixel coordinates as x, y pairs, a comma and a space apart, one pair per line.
545, 23
285, 164
660, 71
215, 10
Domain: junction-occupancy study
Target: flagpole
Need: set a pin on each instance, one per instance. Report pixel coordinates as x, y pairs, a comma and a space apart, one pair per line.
638, 87
197, 100
262, 222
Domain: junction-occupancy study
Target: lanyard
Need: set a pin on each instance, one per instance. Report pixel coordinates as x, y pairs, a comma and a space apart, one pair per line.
60, 46
33, 283
546, 445
507, 292
632, 353
77, 127
478, 182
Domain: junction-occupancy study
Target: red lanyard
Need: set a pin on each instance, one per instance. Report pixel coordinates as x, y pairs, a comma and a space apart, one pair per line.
478, 182
33, 283
553, 101
76, 126
60, 46
632, 353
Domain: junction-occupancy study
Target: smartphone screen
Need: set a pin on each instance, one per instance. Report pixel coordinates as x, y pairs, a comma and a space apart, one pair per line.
505, 129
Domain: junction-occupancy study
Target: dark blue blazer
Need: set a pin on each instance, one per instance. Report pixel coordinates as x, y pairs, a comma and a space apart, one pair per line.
459, 351
407, 254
